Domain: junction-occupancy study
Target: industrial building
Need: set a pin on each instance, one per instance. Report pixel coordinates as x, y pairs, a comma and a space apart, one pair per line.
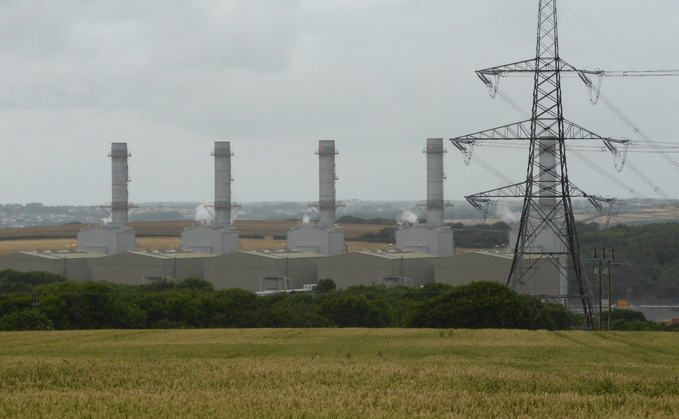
73, 264
423, 254
434, 238
493, 266
260, 270
378, 267
143, 267
323, 238
220, 238
473, 266
114, 237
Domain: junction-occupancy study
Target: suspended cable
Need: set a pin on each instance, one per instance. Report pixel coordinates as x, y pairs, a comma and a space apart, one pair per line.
638, 131
652, 185
607, 175
618, 54
495, 91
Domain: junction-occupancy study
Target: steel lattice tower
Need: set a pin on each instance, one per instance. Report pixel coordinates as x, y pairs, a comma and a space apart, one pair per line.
546, 235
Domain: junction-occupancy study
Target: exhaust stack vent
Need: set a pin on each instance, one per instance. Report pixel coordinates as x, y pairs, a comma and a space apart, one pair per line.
119, 181
222, 154
326, 184
435, 177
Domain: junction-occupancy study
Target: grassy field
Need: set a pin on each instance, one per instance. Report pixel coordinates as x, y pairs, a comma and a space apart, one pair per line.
338, 373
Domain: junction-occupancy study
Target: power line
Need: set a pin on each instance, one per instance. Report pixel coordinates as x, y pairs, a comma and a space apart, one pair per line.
623, 58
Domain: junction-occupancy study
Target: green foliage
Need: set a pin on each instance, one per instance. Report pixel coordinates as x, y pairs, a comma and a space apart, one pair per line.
89, 305
651, 253
584, 228
195, 284
231, 308
193, 303
481, 236
325, 286
14, 281
27, 319
354, 311
477, 305
626, 319
552, 316
385, 235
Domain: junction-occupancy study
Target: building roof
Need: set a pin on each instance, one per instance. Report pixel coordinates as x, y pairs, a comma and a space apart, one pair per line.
503, 255
282, 254
171, 254
61, 254
395, 254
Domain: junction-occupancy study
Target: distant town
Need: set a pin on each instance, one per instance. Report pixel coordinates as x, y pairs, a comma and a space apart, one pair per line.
634, 212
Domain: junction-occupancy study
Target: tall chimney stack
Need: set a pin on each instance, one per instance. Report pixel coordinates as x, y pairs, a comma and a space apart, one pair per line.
119, 181
326, 173
547, 188
222, 154
435, 177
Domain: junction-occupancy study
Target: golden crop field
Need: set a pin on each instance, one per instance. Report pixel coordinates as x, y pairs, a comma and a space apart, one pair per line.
266, 228
166, 235
338, 373
155, 243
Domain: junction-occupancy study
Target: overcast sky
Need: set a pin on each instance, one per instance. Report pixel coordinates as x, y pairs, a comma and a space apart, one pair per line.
273, 77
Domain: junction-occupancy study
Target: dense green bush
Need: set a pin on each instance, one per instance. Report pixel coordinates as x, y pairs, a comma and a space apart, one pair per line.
14, 281
27, 319
194, 303
477, 305
355, 311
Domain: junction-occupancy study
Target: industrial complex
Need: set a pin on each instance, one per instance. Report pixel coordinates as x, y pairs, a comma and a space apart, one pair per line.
315, 250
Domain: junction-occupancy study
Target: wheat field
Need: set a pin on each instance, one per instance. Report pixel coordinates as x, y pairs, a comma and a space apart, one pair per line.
166, 235
155, 243
338, 373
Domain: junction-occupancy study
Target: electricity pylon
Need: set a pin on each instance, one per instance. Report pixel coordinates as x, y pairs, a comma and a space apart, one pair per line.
546, 238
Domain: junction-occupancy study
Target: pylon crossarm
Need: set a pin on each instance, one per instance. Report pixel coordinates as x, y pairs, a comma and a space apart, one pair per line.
579, 193
484, 200
482, 205
491, 76
466, 147
573, 131
517, 190
514, 131
521, 131
525, 67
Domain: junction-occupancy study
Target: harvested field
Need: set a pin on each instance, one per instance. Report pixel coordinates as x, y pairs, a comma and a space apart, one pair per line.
166, 236
246, 228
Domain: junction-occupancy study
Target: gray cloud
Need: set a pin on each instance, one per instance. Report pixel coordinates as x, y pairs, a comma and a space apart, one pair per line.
272, 77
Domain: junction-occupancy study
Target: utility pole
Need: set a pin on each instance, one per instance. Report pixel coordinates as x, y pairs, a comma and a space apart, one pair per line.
601, 271
600, 289
611, 262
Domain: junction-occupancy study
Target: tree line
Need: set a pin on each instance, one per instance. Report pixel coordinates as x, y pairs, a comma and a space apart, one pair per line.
42, 301
650, 254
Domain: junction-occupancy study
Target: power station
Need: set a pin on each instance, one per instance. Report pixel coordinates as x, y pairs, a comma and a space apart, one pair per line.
115, 236
220, 238
316, 250
324, 238
546, 260
435, 238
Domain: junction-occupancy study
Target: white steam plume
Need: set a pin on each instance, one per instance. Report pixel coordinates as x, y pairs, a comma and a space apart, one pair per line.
203, 214
507, 215
407, 218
